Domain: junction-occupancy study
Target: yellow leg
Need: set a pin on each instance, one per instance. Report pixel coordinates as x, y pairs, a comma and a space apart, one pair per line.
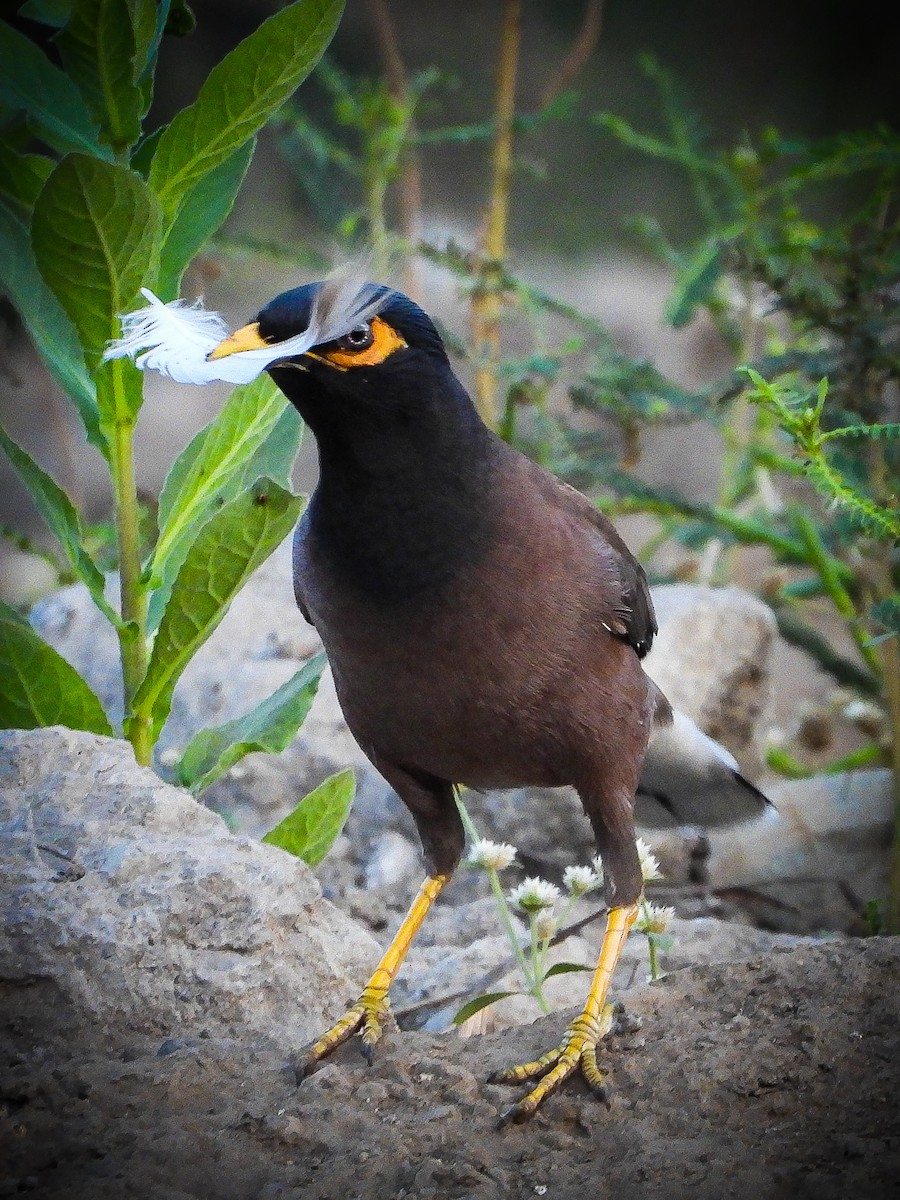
578, 1049
373, 1006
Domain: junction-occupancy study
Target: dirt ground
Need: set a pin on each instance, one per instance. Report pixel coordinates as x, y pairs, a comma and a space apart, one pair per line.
775, 1078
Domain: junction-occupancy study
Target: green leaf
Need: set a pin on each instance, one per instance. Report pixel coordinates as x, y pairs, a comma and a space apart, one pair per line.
58, 511
312, 828
203, 210
148, 19
96, 232
46, 321
228, 549
256, 434
270, 726
98, 49
30, 83
480, 1002
240, 94
38, 687
22, 175
54, 13
694, 285
565, 968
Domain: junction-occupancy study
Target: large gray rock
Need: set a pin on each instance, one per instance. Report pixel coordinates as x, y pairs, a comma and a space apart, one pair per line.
812, 863
147, 914
712, 658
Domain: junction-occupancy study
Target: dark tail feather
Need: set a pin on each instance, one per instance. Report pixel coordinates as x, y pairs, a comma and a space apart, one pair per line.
688, 779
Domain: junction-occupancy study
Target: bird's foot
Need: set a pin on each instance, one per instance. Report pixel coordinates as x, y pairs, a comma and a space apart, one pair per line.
577, 1051
367, 1017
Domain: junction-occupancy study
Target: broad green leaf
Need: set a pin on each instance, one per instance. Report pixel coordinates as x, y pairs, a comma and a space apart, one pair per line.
58, 511
255, 435
270, 726
22, 175
96, 232
565, 968
240, 94
54, 13
312, 828
204, 209
46, 321
148, 21
30, 83
38, 687
98, 50
228, 549
480, 1002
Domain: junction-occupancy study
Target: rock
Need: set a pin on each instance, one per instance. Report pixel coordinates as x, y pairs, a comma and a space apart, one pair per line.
711, 659
145, 913
811, 864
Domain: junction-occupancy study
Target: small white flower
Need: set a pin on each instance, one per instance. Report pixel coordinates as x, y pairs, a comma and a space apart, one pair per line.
649, 862
654, 918
579, 880
545, 925
493, 856
533, 894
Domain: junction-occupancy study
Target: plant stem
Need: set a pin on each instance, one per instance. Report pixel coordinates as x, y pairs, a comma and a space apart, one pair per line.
133, 636
511, 932
486, 297
822, 561
538, 976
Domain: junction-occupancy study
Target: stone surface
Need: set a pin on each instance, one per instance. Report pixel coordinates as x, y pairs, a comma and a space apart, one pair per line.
775, 1078
811, 864
711, 658
145, 913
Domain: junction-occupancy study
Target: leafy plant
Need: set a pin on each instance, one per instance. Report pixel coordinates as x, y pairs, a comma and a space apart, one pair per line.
93, 207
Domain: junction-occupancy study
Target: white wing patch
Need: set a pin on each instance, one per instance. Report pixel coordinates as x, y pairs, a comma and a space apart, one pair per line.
175, 338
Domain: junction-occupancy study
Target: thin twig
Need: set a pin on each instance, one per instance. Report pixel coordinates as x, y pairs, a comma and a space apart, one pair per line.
579, 52
486, 296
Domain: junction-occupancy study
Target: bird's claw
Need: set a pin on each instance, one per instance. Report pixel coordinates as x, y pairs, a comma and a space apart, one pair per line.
367, 1015
577, 1051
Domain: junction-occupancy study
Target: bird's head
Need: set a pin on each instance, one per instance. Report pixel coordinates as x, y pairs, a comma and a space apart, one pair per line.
379, 353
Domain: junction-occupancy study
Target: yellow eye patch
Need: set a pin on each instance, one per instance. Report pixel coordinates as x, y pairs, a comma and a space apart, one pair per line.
385, 340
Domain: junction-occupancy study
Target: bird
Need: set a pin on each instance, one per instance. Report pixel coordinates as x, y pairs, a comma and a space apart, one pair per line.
484, 622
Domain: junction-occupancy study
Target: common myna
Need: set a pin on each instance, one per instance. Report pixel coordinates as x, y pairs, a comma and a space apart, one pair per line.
485, 624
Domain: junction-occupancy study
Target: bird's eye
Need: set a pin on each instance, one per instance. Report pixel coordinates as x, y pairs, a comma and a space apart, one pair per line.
360, 338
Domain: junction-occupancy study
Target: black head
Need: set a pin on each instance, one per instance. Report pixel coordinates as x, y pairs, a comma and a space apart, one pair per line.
290, 313
386, 376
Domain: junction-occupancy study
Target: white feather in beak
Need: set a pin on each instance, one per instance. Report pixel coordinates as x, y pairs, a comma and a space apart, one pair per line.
175, 338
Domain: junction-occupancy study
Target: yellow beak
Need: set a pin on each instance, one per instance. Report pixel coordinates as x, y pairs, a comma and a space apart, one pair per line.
245, 338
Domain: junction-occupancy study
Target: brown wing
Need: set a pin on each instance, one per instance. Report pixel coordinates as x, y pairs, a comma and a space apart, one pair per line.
632, 615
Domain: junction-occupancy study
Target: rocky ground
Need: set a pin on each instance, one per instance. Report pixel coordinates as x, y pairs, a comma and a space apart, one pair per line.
160, 977
773, 1078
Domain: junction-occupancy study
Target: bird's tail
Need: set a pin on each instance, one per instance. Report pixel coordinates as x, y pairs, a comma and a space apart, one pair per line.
688, 779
